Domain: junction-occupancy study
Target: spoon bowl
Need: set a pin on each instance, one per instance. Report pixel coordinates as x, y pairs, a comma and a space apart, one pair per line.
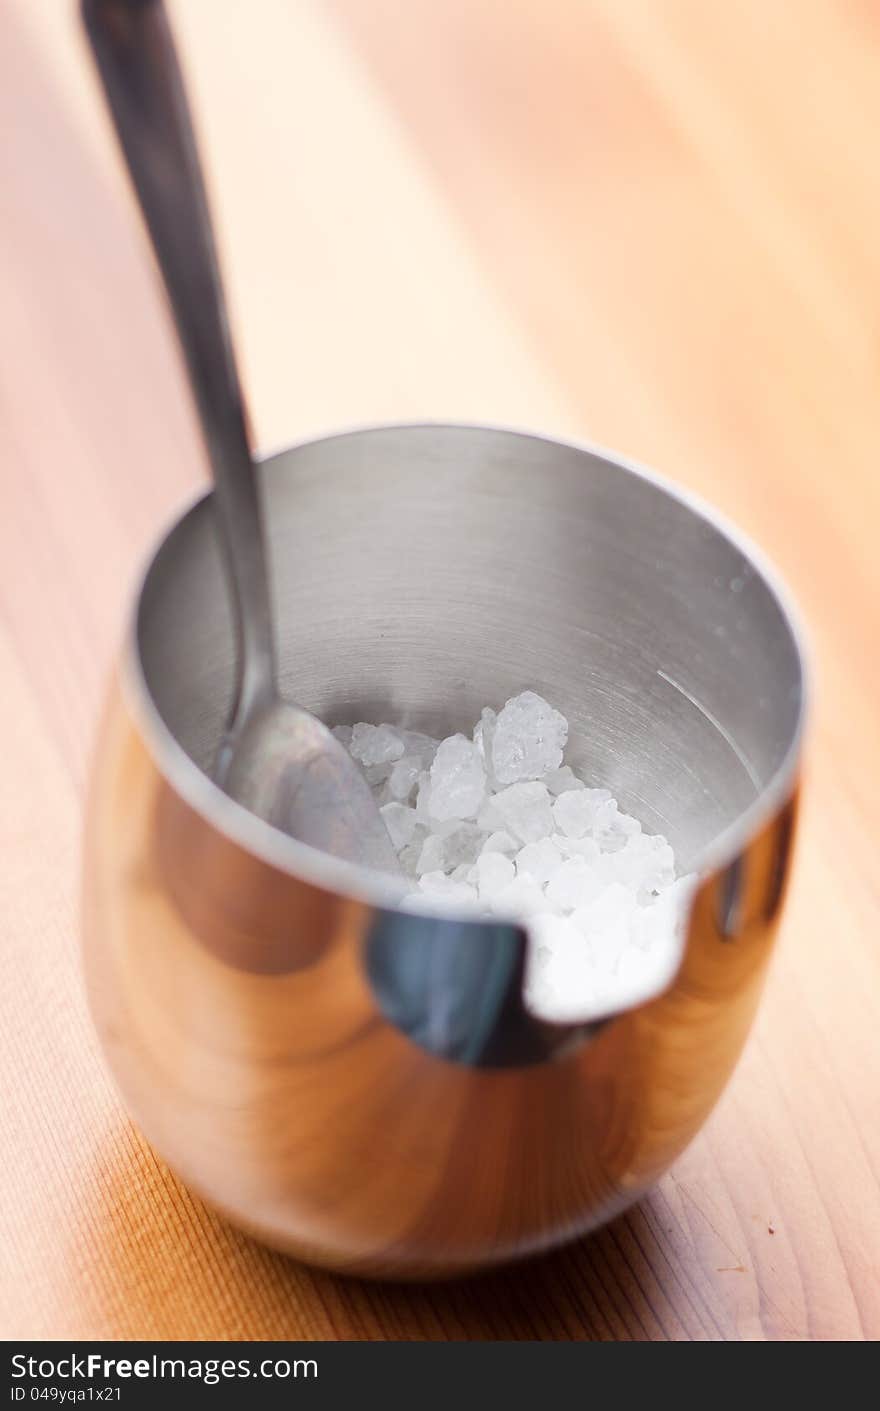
285, 766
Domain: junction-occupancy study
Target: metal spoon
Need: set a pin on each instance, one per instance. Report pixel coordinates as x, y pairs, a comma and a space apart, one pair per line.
276, 759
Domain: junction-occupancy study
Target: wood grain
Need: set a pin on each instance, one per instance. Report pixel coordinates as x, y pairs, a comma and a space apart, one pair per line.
654, 226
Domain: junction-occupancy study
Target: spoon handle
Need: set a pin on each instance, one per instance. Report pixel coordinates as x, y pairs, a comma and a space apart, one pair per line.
134, 50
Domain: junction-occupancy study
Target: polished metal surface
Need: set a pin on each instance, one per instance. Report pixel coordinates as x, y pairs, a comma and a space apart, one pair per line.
364, 1087
274, 757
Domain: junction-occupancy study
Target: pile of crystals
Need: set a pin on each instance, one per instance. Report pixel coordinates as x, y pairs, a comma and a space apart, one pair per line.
497, 825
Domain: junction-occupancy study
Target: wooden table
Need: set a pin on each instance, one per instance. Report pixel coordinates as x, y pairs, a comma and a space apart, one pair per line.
652, 224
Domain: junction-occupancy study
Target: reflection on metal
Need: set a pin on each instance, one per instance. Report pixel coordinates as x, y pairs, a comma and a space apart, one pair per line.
455, 988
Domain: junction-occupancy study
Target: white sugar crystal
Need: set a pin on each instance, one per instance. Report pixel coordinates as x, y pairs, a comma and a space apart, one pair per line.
423, 797
375, 744
494, 872
408, 857
488, 818
609, 907
581, 811
646, 864
528, 739
524, 810
523, 897
458, 779
420, 747
484, 732
462, 843
378, 773
449, 847
539, 860
500, 842
574, 883
612, 828
404, 776
560, 781
432, 857
448, 826
497, 825
400, 822
576, 847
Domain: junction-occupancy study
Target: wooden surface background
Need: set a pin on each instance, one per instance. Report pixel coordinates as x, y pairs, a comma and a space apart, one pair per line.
653, 223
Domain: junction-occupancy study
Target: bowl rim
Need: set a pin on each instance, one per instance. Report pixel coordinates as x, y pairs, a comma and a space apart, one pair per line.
358, 883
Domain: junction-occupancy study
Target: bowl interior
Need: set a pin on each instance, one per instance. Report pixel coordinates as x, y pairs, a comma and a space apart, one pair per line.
420, 573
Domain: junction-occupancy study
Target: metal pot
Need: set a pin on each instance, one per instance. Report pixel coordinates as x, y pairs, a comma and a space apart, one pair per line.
363, 1087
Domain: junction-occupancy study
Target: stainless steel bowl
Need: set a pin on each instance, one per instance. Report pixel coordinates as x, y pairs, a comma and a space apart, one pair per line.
366, 1088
